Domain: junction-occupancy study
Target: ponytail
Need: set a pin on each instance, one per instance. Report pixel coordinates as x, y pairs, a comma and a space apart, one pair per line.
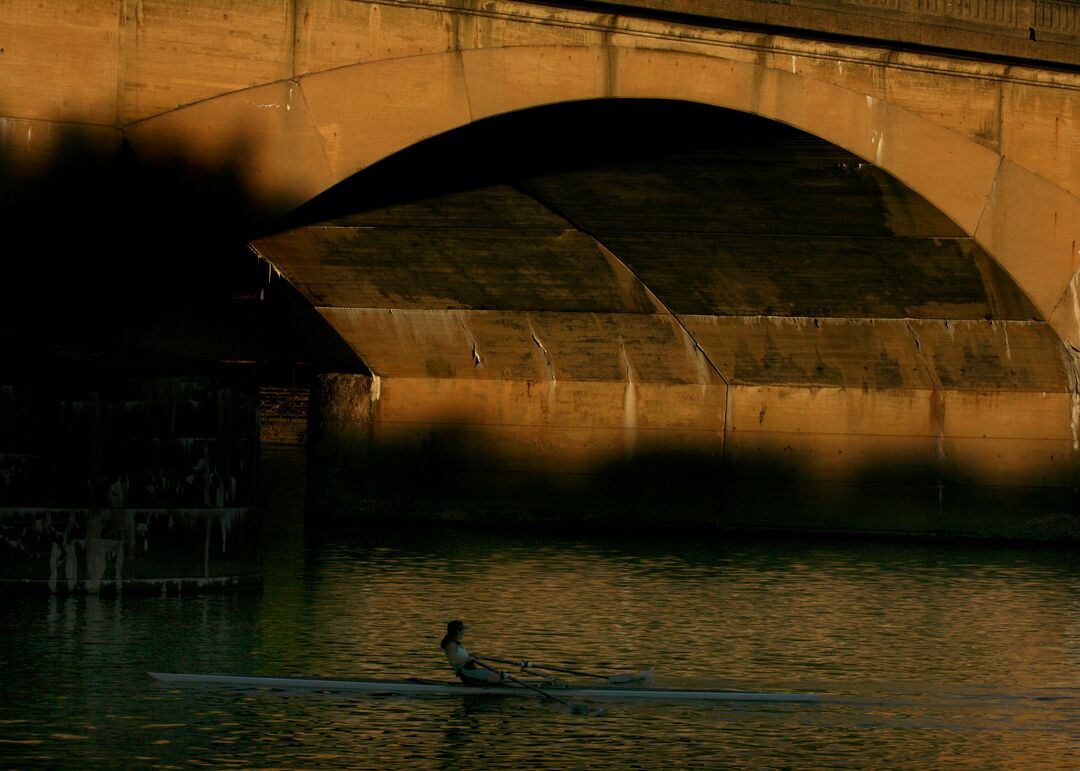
452, 630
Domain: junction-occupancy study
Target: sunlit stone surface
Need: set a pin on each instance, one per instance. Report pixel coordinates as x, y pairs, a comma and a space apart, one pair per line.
747, 263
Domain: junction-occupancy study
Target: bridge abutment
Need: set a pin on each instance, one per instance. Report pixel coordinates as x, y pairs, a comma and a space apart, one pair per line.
514, 452
903, 462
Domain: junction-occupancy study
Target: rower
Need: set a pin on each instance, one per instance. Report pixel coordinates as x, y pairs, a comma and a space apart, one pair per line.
465, 666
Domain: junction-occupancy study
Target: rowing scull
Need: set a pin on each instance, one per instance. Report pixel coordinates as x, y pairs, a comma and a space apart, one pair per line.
417, 686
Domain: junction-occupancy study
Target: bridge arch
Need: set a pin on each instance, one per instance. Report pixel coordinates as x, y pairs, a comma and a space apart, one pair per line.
307, 134
511, 406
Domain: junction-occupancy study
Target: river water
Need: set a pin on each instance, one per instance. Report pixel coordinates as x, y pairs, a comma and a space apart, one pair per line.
925, 655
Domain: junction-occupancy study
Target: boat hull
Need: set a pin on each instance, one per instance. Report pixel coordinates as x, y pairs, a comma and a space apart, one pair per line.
417, 687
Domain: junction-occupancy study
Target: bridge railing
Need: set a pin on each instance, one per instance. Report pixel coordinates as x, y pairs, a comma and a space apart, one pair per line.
1045, 31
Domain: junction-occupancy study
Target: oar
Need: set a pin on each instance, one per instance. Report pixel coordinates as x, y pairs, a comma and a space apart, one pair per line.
577, 709
640, 677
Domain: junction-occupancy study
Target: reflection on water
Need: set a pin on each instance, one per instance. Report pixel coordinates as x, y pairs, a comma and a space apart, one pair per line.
927, 655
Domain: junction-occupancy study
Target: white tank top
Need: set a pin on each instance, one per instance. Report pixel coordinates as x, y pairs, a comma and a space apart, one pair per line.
456, 655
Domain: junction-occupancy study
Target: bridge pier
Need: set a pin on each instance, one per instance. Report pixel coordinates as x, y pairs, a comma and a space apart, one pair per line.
121, 481
513, 452
901, 462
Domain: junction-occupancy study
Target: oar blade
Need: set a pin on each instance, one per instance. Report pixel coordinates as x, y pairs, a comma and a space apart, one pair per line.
632, 679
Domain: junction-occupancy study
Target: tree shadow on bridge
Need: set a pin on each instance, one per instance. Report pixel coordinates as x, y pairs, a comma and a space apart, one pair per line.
453, 476
110, 257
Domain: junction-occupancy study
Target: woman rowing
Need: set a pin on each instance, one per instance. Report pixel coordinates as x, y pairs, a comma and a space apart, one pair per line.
465, 666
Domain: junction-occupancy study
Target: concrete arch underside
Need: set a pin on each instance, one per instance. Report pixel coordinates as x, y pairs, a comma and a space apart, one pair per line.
613, 399
299, 137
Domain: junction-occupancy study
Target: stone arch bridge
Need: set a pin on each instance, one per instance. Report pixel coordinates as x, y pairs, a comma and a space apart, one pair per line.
803, 265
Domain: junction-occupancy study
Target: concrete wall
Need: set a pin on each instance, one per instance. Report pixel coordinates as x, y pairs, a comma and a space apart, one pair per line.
925, 454
114, 481
283, 415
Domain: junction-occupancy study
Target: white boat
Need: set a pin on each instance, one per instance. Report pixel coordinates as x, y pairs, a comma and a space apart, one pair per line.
418, 686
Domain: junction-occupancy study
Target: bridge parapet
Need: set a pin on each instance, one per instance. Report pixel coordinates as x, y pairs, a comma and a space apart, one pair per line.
1039, 30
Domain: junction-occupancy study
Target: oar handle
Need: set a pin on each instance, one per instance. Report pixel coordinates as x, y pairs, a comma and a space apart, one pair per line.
577, 672
519, 664
530, 686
